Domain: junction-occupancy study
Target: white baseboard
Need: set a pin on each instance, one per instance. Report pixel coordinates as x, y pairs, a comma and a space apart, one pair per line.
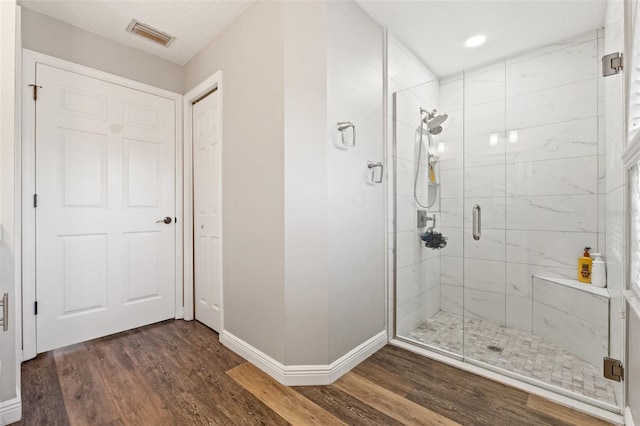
179, 313
304, 375
628, 418
11, 410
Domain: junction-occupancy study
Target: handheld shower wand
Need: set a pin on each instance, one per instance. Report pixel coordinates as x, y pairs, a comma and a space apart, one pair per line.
434, 127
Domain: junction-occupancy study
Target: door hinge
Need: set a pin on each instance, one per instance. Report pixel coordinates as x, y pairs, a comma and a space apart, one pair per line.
35, 308
613, 369
611, 64
35, 91
35, 200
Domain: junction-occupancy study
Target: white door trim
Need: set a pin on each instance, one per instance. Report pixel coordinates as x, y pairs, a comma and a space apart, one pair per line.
208, 85
30, 58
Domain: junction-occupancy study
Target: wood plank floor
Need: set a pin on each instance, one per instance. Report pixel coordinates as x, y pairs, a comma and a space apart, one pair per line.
177, 373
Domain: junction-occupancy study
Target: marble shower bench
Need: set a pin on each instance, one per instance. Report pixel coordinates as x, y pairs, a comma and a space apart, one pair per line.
573, 315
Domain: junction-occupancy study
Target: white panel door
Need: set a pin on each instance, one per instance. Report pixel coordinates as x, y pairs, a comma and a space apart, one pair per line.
104, 177
206, 207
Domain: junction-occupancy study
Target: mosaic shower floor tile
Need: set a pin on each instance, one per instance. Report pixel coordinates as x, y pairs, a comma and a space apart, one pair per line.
514, 350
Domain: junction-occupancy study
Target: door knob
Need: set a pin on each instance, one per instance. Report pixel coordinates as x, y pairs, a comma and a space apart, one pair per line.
166, 220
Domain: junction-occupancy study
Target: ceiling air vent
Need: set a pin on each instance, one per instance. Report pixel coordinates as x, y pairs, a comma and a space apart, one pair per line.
143, 30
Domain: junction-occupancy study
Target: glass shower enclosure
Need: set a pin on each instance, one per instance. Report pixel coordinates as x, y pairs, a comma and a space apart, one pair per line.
498, 187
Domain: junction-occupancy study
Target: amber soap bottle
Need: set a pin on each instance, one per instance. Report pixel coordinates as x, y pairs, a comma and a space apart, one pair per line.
584, 267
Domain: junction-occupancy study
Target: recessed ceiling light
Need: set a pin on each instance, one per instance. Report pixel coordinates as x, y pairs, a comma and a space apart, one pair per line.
475, 41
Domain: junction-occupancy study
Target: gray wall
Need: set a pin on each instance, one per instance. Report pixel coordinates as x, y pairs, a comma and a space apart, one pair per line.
250, 54
305, 169
334, 221
355, 209
288, 66
56, 38
8, 247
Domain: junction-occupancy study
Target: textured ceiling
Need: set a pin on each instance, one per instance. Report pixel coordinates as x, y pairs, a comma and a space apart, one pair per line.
435, 30
193, 23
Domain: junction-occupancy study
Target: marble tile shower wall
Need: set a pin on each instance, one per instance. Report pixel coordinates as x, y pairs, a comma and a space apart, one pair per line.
418, 268
525, 142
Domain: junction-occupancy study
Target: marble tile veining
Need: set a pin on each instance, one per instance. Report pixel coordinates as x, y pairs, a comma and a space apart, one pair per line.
590, 307
522, 353
451, 270
567, 139
578, 213
519, 313
485, 305
484, 87
485, 275
451, 299
533, 74
563, 103
583, 338
548, 248
486, 181
491, 246
563, 176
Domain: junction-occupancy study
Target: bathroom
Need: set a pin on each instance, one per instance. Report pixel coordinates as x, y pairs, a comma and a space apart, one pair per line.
432, 195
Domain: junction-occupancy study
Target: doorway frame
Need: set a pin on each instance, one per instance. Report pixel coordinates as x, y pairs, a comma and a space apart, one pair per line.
213, 82
27, 177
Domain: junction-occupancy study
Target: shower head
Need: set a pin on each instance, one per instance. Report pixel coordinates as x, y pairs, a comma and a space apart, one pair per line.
437, 121
435, 130
433, 121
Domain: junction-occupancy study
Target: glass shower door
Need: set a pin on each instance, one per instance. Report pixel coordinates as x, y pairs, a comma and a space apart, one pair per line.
484, 200
533, 199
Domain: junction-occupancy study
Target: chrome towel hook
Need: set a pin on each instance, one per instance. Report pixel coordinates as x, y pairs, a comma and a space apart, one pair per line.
343, 126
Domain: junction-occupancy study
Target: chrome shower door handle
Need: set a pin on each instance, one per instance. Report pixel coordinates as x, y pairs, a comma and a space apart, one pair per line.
372, 165
477, 222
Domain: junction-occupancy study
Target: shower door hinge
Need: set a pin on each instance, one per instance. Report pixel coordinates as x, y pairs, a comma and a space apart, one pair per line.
35, 91
611, 64
35, 308
613, 369
35, 200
